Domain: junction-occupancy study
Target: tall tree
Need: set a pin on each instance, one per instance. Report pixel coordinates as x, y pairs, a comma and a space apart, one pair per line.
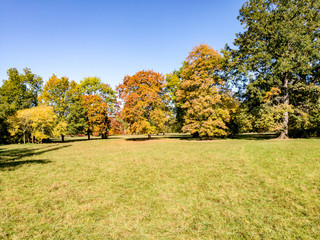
203, 94
279, 49
173, 81
58, 93
19, 91
99, 105
144, 102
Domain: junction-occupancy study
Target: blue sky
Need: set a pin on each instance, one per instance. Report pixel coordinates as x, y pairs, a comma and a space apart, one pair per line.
110, 38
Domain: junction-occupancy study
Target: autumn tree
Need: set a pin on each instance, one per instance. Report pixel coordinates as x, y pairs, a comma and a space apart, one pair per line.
277, 61
19, 91
97, 115
58, 93
99, 105
204, 95
144, 100
35, 123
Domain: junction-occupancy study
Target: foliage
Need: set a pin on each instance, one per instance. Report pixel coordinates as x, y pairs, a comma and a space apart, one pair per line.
203, 95
19, 91
176, 118
94, 86
145, 100
59, 93
279, 49
77, 120
95, 108
60, 129
35, 123
97, 115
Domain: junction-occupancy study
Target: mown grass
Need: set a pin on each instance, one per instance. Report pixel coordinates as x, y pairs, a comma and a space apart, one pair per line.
161, 189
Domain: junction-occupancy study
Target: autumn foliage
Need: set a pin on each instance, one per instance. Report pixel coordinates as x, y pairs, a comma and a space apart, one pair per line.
144, 102
203, 95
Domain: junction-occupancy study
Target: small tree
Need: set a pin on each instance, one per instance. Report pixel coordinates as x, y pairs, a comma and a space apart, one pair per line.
36, 123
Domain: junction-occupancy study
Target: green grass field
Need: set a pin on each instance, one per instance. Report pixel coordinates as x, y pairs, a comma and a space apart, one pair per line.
161, 189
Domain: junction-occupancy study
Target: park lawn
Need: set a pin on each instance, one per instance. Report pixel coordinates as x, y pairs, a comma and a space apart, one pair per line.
161, 189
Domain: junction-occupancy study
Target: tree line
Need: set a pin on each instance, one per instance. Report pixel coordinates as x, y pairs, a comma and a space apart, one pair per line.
268, 81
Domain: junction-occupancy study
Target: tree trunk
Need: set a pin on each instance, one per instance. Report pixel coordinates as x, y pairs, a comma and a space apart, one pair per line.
88, 135
62, 138
24, 138
285, 132
149, 136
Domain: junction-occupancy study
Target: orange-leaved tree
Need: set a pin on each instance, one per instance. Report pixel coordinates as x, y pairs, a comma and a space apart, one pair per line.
99, 101
144, 102
204, 95
97, 115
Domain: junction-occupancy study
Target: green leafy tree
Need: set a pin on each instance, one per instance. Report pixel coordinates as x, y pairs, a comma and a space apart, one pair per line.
58, 93
19, 91
173, 81
203, 95
279, 49
77, 120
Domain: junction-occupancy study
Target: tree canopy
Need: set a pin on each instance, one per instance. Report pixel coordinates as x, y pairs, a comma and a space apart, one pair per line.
203, 94
277, 58
144, 98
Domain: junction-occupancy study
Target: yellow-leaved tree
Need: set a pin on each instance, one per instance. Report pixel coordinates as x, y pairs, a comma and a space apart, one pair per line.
204, 95
33, 124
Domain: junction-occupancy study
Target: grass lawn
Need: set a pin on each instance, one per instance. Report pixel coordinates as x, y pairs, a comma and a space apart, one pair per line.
161, 189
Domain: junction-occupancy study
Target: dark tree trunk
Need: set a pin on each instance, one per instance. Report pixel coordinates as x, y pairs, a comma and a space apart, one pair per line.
285, 132
88, 134
149, 136
62, 138
164, 133
195, 135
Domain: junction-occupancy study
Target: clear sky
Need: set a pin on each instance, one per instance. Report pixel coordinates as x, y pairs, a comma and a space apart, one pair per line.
110, 38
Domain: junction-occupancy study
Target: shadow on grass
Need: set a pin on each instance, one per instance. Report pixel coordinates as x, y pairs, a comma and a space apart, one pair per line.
188, 137
255, 136
15, 157
13, 164
74, 139
159, 137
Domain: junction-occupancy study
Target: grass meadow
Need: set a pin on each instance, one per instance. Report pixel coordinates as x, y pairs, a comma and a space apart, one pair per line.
165, 188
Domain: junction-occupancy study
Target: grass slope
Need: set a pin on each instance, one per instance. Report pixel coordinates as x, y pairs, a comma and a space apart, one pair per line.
161, 189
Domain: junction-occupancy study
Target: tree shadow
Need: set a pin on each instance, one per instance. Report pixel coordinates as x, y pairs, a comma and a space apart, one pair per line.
254, 136
12, 165
189, 137
74, 139
159, 137
11, 158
